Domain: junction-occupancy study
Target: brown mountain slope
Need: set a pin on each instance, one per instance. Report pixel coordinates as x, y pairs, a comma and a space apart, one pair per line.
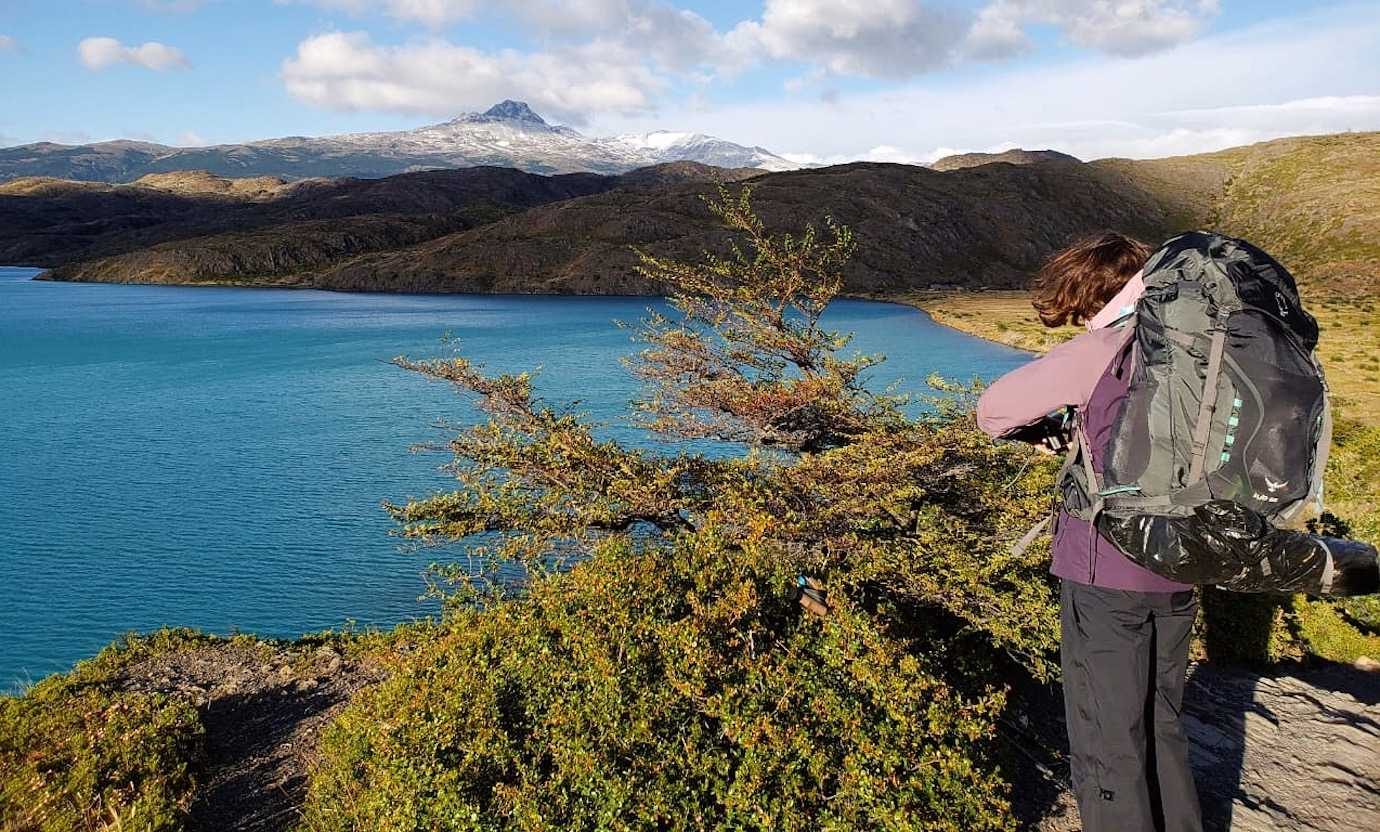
1315, 204
49, 222
285, 242
984, 226
1312, 201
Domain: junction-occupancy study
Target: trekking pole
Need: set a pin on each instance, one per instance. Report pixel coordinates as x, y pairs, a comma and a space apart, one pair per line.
811, 595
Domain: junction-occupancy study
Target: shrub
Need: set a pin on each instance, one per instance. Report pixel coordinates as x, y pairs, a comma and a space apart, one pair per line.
1346, 630
650, 692
1363, 611
1326, 634
668, 680
79, 753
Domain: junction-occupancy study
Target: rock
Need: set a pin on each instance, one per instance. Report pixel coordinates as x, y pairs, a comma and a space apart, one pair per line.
1286, 753
1297, 750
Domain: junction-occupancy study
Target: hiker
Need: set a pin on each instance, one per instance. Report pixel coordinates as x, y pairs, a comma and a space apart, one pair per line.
1126, 630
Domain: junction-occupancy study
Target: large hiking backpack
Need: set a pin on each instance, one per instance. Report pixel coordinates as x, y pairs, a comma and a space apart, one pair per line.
1222, 432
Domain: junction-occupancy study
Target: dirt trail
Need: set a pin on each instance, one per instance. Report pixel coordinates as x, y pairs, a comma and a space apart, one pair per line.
263, 705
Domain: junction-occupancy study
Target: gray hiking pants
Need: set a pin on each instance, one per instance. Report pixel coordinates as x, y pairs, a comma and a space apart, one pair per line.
1125, 659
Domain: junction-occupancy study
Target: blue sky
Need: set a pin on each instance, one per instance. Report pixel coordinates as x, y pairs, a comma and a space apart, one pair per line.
822, 80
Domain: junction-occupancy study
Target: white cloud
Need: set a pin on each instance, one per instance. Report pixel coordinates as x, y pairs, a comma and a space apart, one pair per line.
1297, 115
619, 54
880, 38
8, 44
905, 38
613, 61
668, 36
1119, 27
348, 71
897, 155
101, 53
1311, 73
191, 138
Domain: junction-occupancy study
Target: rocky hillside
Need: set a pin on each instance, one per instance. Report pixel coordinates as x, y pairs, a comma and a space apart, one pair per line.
983, 226
979, 227
1312, 201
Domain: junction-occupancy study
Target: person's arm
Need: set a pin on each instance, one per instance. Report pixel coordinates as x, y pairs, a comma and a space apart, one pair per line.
1063, 377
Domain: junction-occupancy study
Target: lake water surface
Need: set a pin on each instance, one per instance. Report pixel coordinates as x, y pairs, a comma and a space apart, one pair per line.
215, 457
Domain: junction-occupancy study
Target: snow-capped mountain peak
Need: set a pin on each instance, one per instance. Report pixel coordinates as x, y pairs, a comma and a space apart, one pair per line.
506, 110
658, 139
508, 134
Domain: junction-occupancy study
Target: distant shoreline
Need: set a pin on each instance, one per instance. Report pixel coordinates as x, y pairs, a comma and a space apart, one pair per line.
931, 303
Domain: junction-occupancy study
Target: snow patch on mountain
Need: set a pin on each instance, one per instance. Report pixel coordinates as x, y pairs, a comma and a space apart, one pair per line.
672, 146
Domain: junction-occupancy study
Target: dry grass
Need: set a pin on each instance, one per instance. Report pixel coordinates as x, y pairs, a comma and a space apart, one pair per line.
1350, 352
1313, 202
1004, 317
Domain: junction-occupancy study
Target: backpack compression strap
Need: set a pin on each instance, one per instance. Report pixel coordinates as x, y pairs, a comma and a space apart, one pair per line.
1203, 429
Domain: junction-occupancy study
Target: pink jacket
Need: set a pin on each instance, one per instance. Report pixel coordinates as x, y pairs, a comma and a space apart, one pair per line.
1065, 377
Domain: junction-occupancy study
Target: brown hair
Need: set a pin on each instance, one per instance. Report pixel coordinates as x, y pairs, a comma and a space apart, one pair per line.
1074, 284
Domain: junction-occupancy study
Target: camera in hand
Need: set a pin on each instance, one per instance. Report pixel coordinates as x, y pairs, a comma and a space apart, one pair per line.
1055, 432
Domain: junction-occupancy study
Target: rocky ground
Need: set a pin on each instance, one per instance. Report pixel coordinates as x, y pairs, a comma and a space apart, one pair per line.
1294, 750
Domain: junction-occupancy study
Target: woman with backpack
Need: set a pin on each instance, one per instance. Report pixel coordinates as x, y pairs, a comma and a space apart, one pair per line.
1126, 630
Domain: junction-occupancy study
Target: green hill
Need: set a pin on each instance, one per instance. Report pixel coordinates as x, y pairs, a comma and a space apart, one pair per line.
1312, 201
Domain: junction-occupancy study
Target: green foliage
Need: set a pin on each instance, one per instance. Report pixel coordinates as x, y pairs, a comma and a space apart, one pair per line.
663, 690
1326, 634
1362, 611
77, 752
1353, 478
668, 680
1347, 629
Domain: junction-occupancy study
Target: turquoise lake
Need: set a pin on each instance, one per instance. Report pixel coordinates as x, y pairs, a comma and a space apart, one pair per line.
216, 457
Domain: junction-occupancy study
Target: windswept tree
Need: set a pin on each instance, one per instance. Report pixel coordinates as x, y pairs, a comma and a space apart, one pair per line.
653, 670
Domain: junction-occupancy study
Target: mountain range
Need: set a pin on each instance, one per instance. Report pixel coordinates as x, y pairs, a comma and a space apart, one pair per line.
974, 223
509, 134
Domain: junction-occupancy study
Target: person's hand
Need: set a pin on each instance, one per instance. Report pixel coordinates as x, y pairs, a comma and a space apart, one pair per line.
1045, 449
